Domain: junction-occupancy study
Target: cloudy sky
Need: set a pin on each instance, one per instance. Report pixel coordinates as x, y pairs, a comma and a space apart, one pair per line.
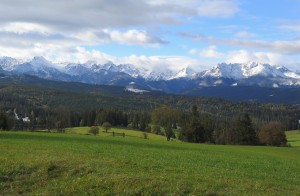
153, 33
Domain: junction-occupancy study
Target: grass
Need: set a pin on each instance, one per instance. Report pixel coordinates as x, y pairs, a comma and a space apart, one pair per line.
293, 137
74, 164
128, 133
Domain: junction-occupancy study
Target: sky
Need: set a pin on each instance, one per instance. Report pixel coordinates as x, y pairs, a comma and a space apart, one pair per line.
153, 34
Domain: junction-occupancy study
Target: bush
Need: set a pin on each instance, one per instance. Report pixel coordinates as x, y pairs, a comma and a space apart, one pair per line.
94, 130
156, 129
145, 135
272, 134
106, 126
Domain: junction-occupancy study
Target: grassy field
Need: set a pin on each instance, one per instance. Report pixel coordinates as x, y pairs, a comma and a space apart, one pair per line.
128, 133
74, 164
293, 137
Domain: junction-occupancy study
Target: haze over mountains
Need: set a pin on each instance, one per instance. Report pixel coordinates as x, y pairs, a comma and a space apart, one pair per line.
224, 80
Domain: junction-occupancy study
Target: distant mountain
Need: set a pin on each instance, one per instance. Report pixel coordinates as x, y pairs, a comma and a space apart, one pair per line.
185, 81
250, 74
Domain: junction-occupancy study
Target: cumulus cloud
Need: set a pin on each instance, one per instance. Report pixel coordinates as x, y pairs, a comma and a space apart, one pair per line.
78, 14
157, 63
290, 47
222, 8
161, 63
211, 52
23, 27
130, 37
244, 56
30, 27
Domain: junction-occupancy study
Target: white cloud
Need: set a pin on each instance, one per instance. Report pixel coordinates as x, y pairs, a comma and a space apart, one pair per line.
240, 56
244, 34
290, 26
221, 8
161, 63
193, 51
244, 56
22, 42
133, 37
82, 55
290, 47
23, 27
63, 14
59, 29
211, 52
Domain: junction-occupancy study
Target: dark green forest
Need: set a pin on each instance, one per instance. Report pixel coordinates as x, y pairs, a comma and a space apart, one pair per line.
214, 119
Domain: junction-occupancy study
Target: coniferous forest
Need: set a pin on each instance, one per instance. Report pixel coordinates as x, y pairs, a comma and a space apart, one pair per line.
191, 119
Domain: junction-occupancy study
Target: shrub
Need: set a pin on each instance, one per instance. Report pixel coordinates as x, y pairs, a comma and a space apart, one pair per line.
106, 126
156, 129
272, 134
94, 130
145, 135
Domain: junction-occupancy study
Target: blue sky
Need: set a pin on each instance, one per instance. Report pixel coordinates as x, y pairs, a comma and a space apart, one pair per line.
153, 34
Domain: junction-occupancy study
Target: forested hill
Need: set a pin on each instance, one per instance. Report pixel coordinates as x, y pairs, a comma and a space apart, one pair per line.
43, 96
69, 86
235, 93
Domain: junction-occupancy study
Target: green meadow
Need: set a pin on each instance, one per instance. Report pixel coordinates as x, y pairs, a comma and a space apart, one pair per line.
74, 163
293, 138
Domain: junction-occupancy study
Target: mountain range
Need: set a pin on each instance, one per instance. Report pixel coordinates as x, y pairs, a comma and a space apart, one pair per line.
140, 80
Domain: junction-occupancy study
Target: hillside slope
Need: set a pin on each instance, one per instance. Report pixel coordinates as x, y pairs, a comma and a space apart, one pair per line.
68, 164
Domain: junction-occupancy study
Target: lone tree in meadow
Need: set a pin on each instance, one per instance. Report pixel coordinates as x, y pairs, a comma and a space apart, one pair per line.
106, 126
272, 134
167, 118
94, 130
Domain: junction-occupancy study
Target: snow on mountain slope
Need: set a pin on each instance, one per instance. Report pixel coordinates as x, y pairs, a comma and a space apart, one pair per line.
186, 72
39, 65
248, 70
76, 69
157, 75
39, 62
251, 73
232, 71
131, 70
8, 63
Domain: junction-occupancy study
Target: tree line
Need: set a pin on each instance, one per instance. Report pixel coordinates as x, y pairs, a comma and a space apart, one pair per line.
43, 100
192, 126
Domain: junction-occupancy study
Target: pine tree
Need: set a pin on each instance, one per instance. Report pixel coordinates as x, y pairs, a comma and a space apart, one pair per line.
244, 132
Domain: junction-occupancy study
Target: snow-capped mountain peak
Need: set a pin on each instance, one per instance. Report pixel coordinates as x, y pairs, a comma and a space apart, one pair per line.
38, 62
185, 72
8, 63
253, 73
236, 74
110, 66
247, 70
223, 70
131, 70
158, 75
90, 63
